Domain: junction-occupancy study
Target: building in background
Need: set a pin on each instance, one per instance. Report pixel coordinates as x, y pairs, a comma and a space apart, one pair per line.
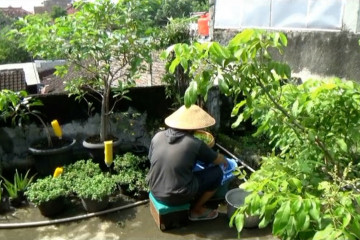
14, 12
49, 4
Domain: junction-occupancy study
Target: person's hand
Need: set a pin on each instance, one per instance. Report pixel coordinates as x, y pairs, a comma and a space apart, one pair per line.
225, 163
221, 161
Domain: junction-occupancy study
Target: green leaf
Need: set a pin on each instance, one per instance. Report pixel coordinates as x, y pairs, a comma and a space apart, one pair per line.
223, 86
324, 234
296, 183
296, 206
242, 37
178, 49
264, 222
281, 218
239, 119
287, 71
342, 144
315, 211
255, 205
219, 51
346, 220
283, 39
329, 233
239, 221
184, 64
276, 38
174, 64
190, 96
354, 228
295, 108
236, 108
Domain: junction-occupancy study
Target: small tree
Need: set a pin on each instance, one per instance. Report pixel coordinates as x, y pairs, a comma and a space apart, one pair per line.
176, 31
309, 187
107, 42
57, 12
164, 10
10, 50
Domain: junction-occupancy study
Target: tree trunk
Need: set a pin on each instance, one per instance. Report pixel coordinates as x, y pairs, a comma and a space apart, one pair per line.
104, 123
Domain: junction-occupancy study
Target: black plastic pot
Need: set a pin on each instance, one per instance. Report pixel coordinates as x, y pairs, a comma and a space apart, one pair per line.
95, 205
52, 207
139, 150
4, 204
96, 151
47, 160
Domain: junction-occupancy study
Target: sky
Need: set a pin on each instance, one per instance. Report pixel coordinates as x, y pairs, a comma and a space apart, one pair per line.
28, 5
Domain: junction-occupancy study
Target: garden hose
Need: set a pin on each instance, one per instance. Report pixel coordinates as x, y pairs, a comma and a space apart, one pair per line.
235, 158
68, 219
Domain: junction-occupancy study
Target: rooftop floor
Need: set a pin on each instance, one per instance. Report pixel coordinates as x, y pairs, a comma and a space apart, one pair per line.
129, 223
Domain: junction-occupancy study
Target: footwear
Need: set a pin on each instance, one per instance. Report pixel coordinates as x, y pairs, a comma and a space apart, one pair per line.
209, 214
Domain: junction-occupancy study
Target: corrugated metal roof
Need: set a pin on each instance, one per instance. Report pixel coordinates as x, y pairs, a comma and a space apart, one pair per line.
12, 79
31, 73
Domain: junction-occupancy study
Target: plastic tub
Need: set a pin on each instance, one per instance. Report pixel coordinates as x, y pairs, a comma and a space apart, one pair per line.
228, 172
235, 198
232, 165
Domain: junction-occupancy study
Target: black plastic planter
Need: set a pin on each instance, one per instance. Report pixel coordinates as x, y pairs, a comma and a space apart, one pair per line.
47, 160
52, 207
96, 151
95, 205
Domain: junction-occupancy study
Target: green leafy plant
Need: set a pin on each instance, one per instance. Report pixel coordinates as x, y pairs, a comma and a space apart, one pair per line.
19, 185
308, 187
86, 180
20, 107
131, 171
96, 187
81, 169
106, 42
10, 49
169, 9
177, 30
316, 185
11, 189
46, 189
22, 182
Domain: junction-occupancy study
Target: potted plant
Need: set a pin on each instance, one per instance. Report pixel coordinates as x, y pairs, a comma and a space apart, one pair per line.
130, 173
17, 188
94, 191
48, 153
80, 169
4, 200
48, 194
107, 56
89, 183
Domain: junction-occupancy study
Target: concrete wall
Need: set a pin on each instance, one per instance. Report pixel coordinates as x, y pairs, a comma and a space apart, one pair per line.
315, 53
131, 123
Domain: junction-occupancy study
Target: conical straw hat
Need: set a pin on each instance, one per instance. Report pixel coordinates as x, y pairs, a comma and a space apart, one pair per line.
191, 118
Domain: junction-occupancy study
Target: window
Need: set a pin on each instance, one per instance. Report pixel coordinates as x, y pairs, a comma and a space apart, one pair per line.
279, 14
